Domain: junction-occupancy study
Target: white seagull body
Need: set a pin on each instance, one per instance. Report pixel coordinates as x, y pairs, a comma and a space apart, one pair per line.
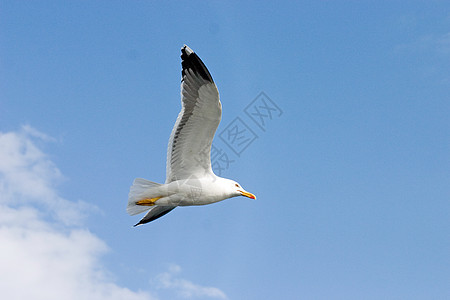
190, 179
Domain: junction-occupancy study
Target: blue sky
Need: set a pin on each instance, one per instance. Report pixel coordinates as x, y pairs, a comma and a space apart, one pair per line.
351, 176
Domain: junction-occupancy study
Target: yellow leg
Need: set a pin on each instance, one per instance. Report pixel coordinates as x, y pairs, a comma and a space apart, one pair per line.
148, 201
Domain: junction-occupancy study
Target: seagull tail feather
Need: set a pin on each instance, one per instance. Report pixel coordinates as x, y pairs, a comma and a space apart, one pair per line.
141, 189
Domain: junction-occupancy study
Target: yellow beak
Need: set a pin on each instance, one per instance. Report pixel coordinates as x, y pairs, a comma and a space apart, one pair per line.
247, 194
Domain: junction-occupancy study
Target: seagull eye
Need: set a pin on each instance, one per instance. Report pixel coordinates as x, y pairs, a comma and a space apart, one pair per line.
236, 185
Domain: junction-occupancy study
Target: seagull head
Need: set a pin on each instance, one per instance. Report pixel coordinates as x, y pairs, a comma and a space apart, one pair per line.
238, 190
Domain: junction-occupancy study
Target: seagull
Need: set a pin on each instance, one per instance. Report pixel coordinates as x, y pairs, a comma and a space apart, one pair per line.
190, 179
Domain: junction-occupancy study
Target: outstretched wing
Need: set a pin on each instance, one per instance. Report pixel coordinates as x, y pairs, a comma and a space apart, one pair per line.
189, 150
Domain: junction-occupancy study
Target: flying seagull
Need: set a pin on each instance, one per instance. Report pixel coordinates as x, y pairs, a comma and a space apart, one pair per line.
190, 179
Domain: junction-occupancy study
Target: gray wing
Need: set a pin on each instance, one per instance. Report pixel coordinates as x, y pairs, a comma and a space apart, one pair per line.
189, 150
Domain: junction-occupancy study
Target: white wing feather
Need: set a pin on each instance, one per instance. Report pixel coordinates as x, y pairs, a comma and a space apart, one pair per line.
189, 150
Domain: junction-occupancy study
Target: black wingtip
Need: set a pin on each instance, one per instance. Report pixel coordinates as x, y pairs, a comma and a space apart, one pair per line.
190, 60
154, 214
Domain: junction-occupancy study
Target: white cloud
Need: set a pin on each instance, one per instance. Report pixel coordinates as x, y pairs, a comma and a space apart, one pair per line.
42, 257
45, 252
185, 288
28, 176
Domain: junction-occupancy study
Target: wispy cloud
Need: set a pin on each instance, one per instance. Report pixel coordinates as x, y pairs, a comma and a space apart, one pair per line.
430, 55
443, 43
44, 254
185, 288
429, 43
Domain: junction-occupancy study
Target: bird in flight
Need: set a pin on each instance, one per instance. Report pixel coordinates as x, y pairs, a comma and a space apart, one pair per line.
190, 179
